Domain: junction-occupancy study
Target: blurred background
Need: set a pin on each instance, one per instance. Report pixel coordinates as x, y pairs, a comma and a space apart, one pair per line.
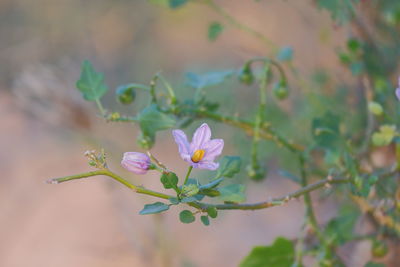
46, 127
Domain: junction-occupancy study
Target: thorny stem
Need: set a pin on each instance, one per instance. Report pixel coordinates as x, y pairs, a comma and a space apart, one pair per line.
106, 172
203, 206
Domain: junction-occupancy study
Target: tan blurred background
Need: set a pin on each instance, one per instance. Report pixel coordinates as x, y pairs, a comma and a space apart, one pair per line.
46, 127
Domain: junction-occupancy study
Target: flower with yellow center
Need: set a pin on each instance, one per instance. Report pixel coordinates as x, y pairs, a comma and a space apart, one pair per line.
202, 151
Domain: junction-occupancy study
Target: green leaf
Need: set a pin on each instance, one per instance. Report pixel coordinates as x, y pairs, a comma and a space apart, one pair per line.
232, 193
174, 200
169, 180
205, 220
374, 264
285, 54
214, 30
186, 216
177, 3
198, 81
154, 208
91, 83
189, 190
279, 254
229, 166
188, 199
212, 184
212, 212
325, 131
151, 120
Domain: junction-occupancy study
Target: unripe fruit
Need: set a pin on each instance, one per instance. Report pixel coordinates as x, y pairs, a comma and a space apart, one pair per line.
246, 75
125, 94
280, 90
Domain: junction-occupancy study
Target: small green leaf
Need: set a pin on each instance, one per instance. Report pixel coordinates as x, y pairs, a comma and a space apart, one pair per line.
169, 180
152, 120
279, 254
214, 30
212, 212
91, 83
325, 131
212, 184
186, 216
188, 199
205, 220
154, 208
285, 54
232, 193
198, 81
189, 190
174, 200
177, 3
229, 166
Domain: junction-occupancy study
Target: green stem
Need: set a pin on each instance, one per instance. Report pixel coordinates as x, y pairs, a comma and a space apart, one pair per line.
169, 89
137, 189
187, 174
100, 107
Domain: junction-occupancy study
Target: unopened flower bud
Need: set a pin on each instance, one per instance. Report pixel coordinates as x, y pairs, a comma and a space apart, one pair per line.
246, 75
136, 162
256, 172
280, 90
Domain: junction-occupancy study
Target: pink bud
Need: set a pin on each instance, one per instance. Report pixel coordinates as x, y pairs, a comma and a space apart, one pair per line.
136, 162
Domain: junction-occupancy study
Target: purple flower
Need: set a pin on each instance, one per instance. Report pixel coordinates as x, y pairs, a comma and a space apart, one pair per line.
136, 162
202, 151
398, 91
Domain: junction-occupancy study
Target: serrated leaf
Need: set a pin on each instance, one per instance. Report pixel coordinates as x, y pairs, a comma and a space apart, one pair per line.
285, 54
232, 193
279, 254
91, 83
186, 216
205, 220
154, 208
169, 180
214, 30
152, 120
200, 81
229, 166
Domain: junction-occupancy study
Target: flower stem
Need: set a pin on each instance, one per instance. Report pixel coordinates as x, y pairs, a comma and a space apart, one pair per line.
100, 107
187, 174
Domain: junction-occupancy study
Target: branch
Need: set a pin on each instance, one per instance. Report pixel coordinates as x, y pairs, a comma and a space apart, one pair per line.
274, 202
137, 189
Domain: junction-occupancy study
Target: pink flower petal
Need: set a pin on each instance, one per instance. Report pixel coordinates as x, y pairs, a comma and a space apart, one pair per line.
206, 165
200, 137
398, 93
213, 149
183, 144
